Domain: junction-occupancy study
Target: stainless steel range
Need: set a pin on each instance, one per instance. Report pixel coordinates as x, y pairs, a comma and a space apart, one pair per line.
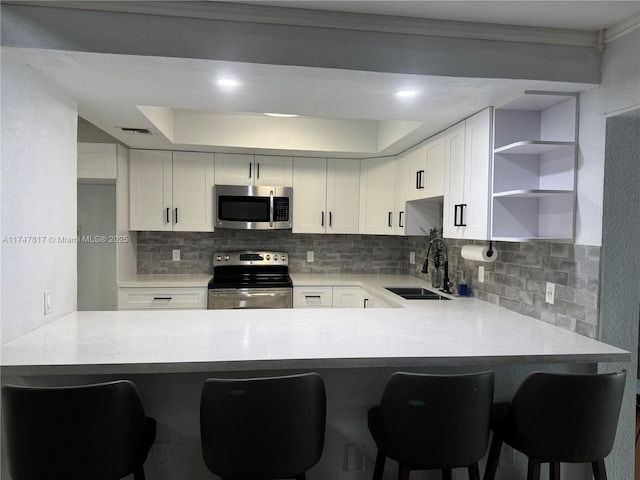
250, 279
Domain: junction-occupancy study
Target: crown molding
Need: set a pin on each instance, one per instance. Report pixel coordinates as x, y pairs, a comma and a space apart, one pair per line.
626, 26
235, 12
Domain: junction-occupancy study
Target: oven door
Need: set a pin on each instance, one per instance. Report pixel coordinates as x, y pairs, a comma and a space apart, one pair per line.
242, 298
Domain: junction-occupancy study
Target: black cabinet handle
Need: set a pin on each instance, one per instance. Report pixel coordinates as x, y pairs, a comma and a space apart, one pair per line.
249, 170
176, 214
258, 171
366, 302
459, 208
168, 213
162, 298
322, 221
389, 221
421, 177
330, 219
400, 219
312, 296
418, 179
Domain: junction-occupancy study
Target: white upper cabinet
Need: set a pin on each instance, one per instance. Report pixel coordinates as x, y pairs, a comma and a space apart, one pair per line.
309, 195
343, 195
171, 191
378, 195
325, 195
239, 169
534, 168
193, 180
97, 161
425, 169
466, 178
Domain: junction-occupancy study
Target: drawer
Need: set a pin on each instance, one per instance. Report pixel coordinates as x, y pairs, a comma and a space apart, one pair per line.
133, 298
312, 297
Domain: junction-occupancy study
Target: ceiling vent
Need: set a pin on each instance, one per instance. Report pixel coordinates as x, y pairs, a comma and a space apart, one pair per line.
136, 131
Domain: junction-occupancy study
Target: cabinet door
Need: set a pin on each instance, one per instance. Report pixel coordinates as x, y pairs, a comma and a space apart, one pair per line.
413, 168
309, 195
377, 195
150, 199
343, 195
234, 169
193, 181
97, 161
276, 171
453, 180
433, 180
404, 169
476, 177
348, 297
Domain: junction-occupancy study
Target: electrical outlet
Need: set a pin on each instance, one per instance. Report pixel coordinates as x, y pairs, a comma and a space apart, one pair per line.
160, 455
48, 302
412, 258
550, 292
481, 274
354, 458
310, 257
176, 255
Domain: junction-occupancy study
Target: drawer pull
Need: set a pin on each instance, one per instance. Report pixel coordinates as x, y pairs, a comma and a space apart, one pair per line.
162, 298
312, 296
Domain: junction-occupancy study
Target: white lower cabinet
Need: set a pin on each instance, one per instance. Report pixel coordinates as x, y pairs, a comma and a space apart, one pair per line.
376, 301
346, 296
162, 298
349, 297
313, 297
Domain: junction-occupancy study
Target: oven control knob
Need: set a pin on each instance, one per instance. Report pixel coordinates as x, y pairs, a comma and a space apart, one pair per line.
275, 258
219, 258
268, 257
226, 258
283, 258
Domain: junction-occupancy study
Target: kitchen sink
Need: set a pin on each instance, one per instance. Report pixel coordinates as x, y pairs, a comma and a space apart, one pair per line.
415, 293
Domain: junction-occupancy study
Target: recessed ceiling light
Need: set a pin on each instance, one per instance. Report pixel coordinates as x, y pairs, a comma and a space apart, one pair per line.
283, 115
406, 93
228, 82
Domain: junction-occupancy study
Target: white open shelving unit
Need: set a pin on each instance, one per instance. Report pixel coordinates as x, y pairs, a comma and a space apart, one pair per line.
534, 168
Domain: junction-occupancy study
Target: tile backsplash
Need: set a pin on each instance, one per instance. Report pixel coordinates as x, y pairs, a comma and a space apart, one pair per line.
516, 280
375, 254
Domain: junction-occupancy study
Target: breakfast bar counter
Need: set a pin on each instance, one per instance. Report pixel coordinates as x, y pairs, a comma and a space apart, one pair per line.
462, 331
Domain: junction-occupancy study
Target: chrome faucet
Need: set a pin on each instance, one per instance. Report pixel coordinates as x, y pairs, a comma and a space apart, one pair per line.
445, 281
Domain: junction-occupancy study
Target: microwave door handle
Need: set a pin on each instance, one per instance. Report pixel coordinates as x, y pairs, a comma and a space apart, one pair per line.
271, 208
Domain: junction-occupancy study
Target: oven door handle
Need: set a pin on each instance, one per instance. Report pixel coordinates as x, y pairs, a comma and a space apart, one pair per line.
271, 208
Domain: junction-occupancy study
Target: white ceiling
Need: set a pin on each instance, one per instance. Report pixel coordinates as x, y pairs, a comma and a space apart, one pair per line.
109, 87
579, 15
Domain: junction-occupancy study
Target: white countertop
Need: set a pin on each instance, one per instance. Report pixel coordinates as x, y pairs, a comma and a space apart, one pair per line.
458, 332
166, 281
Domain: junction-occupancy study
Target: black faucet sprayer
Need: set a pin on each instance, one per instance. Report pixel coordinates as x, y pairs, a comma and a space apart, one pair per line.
425, 265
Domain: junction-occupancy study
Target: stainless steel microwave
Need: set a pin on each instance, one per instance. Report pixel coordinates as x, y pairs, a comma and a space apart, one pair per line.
253, 208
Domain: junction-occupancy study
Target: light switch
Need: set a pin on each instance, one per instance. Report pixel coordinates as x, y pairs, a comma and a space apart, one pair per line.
176, 255
310, 256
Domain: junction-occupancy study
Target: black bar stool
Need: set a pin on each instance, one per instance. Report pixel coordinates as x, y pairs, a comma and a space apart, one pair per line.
433, 422
96, 431
268, 428
556, 418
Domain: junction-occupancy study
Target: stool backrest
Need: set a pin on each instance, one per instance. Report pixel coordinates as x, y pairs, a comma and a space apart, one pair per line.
435, 421
268, 428
568, 417
79, 432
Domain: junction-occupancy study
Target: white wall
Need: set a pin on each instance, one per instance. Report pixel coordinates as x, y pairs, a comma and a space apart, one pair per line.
39, 127
618, 92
